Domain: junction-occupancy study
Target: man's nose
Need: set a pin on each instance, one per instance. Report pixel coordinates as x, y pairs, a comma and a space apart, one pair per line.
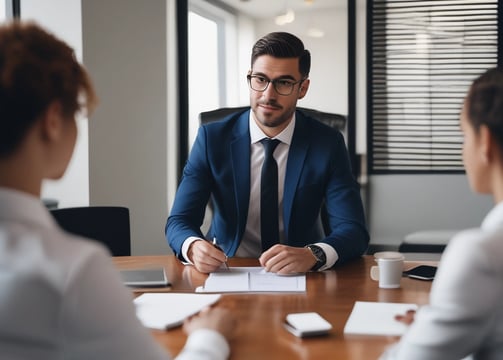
270, 92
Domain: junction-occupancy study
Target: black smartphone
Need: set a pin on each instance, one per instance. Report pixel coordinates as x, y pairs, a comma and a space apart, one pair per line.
422, 272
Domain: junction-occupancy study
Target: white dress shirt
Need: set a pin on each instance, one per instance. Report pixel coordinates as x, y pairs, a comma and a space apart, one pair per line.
251, 245
465, 314
61, 297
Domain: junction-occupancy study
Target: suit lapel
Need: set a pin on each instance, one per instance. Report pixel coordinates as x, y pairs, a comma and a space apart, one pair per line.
240, 153
296, 157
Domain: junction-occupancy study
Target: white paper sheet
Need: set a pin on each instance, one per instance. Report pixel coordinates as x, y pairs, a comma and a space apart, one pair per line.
375, 318
252, 279
167, 310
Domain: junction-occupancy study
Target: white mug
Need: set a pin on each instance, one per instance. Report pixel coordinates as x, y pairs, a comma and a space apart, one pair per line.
388, 270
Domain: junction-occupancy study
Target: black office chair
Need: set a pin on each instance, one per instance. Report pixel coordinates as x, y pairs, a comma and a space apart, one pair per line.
333, 120
106, 224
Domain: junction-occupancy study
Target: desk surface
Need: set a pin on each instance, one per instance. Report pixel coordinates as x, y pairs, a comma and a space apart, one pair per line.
260, 333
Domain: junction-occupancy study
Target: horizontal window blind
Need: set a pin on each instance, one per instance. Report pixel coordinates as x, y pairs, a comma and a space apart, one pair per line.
424, 56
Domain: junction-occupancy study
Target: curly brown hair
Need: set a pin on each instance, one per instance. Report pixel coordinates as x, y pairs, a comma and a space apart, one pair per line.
36, 69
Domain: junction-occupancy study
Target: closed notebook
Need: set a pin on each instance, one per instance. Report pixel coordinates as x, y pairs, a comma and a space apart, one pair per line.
376, 318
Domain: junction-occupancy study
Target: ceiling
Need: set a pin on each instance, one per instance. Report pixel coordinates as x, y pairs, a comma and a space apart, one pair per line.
268, 8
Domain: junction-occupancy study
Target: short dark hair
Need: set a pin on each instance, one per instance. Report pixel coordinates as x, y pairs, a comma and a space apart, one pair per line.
283, 45
36, 69
484, 102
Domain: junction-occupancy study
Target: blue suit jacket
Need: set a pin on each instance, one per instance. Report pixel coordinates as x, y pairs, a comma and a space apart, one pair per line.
317, 170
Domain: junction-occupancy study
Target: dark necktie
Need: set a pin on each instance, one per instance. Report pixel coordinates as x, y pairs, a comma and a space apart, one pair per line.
269, 223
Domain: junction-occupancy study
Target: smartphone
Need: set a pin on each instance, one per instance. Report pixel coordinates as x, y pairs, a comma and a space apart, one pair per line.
422, 272
307, 324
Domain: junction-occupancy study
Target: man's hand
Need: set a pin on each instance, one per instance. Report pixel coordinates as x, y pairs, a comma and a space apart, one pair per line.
285, 260
205, 257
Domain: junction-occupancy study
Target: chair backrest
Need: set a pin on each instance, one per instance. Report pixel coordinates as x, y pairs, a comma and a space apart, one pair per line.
333, 120
106, 224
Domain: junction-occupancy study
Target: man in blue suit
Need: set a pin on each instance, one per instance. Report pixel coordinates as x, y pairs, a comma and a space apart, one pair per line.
310, 163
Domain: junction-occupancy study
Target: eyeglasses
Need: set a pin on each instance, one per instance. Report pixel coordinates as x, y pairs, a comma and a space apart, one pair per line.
282, 86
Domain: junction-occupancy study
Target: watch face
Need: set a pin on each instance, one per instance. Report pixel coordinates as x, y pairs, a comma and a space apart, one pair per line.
318, 253
320, 256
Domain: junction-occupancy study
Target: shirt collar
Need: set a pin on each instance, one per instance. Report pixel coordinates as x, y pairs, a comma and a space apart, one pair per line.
494, 219
256, 134
18, 206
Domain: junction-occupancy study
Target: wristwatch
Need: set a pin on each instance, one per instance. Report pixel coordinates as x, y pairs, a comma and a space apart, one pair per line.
320, 256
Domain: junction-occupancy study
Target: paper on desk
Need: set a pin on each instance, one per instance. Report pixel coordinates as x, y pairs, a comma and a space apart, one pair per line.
252, 279
167, 310
375, 318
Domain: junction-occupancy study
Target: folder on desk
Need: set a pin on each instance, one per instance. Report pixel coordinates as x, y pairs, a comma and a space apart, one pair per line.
375, 318
252, 279
167, 310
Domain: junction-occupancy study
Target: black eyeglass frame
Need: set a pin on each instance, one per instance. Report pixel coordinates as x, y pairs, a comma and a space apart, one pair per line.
274, 82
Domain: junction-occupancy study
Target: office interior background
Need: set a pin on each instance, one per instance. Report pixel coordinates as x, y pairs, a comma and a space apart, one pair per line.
157, 64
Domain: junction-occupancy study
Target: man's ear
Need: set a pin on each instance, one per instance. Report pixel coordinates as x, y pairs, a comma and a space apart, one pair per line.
303, 88
52, 122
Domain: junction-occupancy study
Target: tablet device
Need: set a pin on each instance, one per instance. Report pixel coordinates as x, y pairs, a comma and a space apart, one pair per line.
422, 272
144, 277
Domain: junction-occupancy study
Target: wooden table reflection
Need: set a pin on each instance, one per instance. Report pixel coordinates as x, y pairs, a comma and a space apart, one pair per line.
260, 333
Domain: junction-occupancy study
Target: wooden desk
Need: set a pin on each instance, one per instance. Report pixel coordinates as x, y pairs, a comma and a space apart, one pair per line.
260, 333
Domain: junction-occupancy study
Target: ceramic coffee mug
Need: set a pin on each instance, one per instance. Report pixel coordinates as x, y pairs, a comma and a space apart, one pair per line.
388, 270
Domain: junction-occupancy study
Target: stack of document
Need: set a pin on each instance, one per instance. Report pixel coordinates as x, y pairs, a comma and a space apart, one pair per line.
252, 279
167, 310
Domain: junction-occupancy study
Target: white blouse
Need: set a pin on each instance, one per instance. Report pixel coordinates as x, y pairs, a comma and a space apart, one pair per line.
465, 314
61, 297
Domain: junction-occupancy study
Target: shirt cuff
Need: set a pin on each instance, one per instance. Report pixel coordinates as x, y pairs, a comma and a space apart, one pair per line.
205, 344
331, 255
185, 247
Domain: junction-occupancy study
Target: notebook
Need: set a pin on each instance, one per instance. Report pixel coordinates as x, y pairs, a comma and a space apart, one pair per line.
376, 318
167, 310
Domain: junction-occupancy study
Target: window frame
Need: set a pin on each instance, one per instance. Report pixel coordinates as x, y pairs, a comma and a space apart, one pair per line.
371, 121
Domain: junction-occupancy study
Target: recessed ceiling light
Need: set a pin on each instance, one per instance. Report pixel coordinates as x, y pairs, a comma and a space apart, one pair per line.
286, 18
315, 32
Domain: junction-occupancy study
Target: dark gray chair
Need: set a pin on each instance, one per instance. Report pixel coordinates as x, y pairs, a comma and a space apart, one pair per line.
106, 224
50, 204
333, 120
428, 241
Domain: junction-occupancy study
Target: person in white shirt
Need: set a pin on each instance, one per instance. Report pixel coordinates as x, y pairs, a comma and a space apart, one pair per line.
465, 316
60, 296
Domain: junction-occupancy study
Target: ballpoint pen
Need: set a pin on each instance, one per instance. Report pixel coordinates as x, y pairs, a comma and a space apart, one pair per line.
219, 248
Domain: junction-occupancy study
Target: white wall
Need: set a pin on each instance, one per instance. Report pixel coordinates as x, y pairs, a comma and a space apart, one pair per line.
125, 50
63, 18
401, 204
329, 69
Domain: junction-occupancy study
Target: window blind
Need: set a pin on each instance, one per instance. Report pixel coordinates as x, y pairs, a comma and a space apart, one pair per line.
424, 56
